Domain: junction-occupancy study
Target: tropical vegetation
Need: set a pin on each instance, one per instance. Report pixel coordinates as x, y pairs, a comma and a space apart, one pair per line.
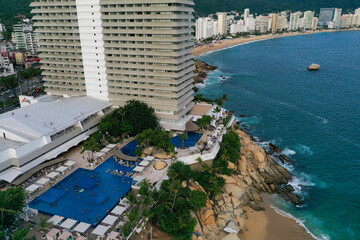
156, 138
133, 118
12, 201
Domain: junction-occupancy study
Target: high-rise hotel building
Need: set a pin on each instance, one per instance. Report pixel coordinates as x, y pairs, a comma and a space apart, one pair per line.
118, 50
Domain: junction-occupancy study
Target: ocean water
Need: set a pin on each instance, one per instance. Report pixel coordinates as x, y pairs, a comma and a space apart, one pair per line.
313, 116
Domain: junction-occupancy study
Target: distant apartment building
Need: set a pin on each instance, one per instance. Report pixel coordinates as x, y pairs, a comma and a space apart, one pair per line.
274, 20
2, 29
326, 16
308, 20
314, 23
262, 23
25, 38
246, 13
237, 27
357, 12
336, 21
222, 23
6, 59
250, 24
120, 50
347, 21
205, 28
294, 21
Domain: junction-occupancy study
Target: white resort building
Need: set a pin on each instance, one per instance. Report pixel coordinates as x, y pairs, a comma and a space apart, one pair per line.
41, 131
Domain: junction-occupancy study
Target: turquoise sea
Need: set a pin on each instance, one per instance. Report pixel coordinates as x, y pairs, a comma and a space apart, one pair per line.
313, 116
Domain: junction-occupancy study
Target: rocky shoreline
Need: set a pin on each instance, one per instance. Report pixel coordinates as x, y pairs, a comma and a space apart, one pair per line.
201, 70
256, 172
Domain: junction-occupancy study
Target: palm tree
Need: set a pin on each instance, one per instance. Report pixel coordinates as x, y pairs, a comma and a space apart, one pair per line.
224, 98
20, 234
43, 224
174, 187
217, 110
5, 200
183, 137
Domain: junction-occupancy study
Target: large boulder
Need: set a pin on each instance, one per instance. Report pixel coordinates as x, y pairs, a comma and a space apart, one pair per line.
160, 165
314, 67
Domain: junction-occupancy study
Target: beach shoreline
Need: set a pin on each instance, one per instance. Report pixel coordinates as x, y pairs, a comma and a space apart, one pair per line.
271, 225
228, 43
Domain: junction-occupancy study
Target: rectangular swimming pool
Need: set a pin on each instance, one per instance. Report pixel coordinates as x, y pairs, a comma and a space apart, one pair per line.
86, 195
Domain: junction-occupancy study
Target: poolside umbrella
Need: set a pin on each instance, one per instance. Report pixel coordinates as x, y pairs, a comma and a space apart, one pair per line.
100, 230
82, 227
55, 219
149, 158
32, 188
138, 169
118, 210
52, 175
62, 169
144, 163
69, 163
42, 181
109, 220
68, 224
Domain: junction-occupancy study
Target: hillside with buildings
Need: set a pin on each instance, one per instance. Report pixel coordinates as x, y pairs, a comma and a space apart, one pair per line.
205, 7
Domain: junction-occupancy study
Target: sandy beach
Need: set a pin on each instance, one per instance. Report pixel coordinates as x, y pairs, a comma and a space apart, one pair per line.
200, 50
269, 225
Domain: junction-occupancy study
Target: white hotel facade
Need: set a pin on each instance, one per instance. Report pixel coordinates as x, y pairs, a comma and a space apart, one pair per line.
96, 55
118, 51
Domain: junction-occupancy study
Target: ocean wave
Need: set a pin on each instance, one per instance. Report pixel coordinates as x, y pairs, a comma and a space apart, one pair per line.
300, 222
301, 180
288, 152
302, 149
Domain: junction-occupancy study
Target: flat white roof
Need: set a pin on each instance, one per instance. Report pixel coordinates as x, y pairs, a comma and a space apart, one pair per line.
144, 163
52, 175
69, 163
138, 169
149, 158
100, 230
68, 223
109, 220
48, 117
82, 227
118, 210
43, 181
32, 188
61, 168
55, 219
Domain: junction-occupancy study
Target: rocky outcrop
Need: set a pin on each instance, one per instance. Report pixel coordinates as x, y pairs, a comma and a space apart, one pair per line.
261, 173
201, 71
314, 67
160, 165
256, 172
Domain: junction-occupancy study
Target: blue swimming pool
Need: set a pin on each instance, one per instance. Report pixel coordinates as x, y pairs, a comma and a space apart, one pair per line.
130, 148
86, 195
193, 138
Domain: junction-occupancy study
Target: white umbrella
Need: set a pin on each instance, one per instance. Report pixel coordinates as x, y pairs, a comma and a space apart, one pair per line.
42, 181
82, 227
69, 163
55, 219
138, 169
109, 220
68, 223
52, 175
100, 230
32, 188
118, 210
